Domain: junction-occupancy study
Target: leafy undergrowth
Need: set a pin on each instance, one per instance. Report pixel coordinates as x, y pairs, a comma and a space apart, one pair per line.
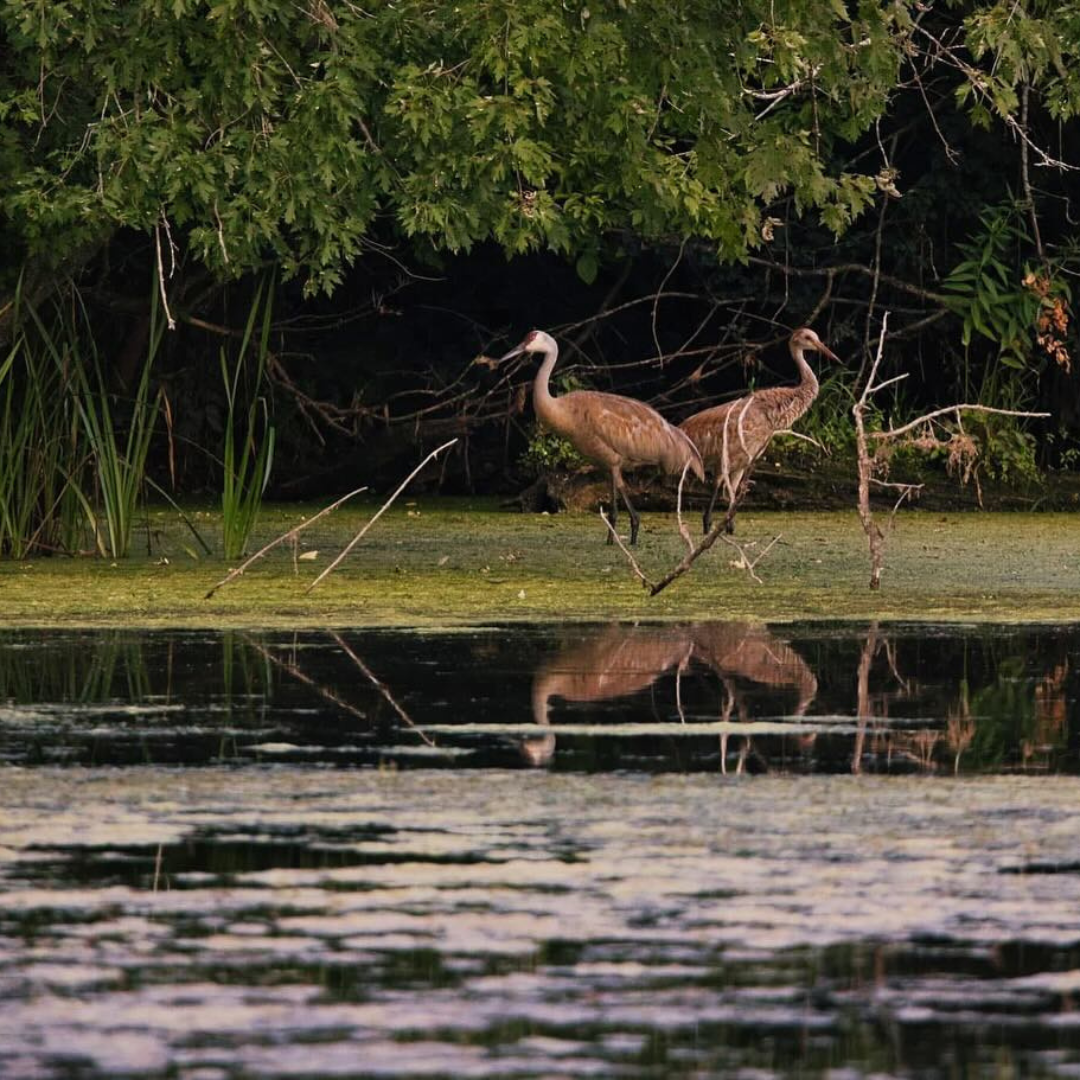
447, 562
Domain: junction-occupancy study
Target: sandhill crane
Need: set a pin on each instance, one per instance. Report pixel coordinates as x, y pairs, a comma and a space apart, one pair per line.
732, 436
608, 429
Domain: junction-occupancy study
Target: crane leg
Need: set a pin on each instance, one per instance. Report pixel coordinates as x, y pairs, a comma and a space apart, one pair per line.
706, 518
619, 488
739, 487
613, 513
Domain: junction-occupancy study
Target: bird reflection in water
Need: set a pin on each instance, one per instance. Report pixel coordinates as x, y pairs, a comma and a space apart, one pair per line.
741, 651
618, 661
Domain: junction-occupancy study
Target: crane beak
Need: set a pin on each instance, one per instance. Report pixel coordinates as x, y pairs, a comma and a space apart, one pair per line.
826, 351
517, 350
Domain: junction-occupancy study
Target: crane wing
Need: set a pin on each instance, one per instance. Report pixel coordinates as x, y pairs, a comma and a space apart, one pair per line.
640, 435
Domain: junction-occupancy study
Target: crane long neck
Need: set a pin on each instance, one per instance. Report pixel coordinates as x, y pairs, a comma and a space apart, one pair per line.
542, 397
808, 383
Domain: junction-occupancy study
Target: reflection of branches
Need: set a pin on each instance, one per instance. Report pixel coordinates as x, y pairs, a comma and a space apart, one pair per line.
378, 684
959, 730
334, 698
302, 676
916, 745
866, 711
862, 695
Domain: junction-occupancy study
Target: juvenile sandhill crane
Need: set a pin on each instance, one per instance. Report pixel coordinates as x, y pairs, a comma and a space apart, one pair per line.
608, 429
732, 436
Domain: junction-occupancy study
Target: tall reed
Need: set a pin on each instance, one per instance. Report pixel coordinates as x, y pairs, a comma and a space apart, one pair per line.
247, 467
117, 462
39, 454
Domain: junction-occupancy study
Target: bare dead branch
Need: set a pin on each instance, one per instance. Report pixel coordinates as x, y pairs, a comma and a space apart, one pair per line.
875, 537
851, 268
656, 300
745, 562
684, 532
799, 435
382, 510
710, 538
290, 535
1025, 175
982, 88
694, 552
955, 409
868, 462
161, 271
907, 491
888, 382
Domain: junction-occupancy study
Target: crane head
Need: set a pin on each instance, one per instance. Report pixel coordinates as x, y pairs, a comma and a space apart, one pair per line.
805, 338
534, 341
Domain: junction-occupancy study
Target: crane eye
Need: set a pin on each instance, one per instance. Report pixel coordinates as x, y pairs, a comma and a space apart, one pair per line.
530, 337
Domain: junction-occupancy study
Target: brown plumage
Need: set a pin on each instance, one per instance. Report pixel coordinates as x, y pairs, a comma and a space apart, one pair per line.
607, 429
747, 653
732, 436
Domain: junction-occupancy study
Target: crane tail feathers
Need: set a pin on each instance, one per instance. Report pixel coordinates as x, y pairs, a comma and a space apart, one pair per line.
684, 452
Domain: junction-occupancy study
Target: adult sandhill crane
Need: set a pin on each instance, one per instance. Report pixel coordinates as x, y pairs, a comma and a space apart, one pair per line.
732, 436
608, 429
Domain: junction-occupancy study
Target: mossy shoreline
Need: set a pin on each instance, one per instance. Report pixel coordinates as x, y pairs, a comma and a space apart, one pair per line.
446, 562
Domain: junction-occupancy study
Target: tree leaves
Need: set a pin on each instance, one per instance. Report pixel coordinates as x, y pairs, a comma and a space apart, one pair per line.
286, 131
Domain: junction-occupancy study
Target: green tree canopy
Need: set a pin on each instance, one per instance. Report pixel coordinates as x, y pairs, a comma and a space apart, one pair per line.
264, 131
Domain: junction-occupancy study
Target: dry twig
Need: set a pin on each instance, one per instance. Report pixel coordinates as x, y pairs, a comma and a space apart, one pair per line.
693, 551
290, 535
382, 510
869, 462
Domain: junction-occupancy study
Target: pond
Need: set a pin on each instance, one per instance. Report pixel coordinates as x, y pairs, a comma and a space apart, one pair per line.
586, 850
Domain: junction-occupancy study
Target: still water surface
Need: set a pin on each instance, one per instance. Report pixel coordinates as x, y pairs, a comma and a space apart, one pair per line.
643, 851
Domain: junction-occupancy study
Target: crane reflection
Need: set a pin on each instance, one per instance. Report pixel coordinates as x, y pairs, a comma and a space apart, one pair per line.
619, 661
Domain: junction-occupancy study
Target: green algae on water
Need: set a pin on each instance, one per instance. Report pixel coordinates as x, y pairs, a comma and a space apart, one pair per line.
461, 562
